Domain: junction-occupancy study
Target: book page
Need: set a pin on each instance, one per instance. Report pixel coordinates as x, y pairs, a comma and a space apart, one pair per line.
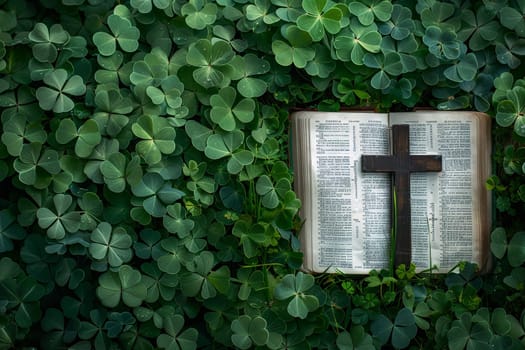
337, 236
444, 207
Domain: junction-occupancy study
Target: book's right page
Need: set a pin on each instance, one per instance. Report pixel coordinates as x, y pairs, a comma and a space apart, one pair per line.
451, 209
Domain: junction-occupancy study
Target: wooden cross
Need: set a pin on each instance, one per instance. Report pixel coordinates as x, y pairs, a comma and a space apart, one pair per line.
401, 163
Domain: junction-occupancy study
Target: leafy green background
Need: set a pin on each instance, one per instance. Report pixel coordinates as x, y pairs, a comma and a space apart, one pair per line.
146, 196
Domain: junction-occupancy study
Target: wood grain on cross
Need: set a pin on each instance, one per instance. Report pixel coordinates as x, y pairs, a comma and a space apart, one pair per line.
401, 164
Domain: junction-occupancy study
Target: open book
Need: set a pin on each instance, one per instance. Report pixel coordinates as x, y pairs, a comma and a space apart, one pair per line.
347, 213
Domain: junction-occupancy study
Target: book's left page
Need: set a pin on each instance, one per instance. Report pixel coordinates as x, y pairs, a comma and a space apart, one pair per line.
327, 149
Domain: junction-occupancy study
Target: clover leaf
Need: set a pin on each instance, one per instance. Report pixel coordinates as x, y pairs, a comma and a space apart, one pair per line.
353, 44
62, 219
481, 28
157, 194
87, 136
225, 111
122, 32
298, 52
201, 278
17, 130
163, 284
157, 138
294, 287
464, 333
443, 43
35, 167
175, 220
124, 285
117, 171
173, 255
152, 70
514, 19
199, 13
112, 110
511, 110
212, 62
9, 231
403, 330
248, 86
24, 294
146, 6
174, 338
390, 63
227, 145
55, 96
111, 244
46, 41
252, 236
198, 134
248, 331
516, 249
260, 11
319, 17
400, 25
369, 10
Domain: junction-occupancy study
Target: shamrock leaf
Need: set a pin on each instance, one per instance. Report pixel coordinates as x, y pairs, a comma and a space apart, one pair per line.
353, 44
157, 194
111, 244
299, 52
174, 338
259, 11
17, 129
122, 32
157, 138
112, 110
199, 13
294, 287
125, 285
227, 145
212, 62
248, 86
35, 167
87, 136
9, 231
62, 219
202, 279
511, 110
175, 220
366, 12
116, 171
318, 18
55, 96
46, 41
248, 331
252, 236
225, 111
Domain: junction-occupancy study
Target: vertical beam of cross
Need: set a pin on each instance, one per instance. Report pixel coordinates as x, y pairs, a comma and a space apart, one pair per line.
401, 164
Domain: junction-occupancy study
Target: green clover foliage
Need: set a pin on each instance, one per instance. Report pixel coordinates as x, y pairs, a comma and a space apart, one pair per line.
249, 331
87, 136
319, 17
124, 285
156, 194
226, 111
36, 167
111, 244
60, 221
202, 280
212, 62
297, 51
228, 145
367, 11
47, 41
199, 14
293, 288
55, 96
122, 32
9, 231
174, 339
157, 138
352, 45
